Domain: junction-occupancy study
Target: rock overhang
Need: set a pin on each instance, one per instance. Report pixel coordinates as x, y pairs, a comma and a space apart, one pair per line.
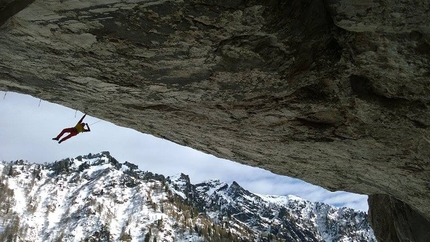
308, 89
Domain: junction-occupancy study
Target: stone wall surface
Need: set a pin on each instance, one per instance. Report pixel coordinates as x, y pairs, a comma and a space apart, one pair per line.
333, 92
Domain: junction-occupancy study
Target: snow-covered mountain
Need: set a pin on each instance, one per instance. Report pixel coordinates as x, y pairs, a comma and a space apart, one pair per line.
266, 217
96, 198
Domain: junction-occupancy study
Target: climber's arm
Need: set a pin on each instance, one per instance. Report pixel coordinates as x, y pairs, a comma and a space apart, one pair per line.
82, 119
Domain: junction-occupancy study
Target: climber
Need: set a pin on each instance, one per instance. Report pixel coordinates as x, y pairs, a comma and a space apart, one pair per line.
79, 128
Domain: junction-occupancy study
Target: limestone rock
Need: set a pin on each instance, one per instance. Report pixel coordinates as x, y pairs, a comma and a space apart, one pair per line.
332, 92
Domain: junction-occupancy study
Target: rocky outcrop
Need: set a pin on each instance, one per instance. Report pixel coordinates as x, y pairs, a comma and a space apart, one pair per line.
396, 221
333, 92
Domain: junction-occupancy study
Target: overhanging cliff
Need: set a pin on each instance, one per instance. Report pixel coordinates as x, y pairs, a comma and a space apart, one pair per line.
332, 92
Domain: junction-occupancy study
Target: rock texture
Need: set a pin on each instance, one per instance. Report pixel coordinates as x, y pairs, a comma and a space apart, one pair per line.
396, 221
333, 92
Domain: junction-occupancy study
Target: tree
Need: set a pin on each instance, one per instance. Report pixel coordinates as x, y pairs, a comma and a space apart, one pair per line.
124, 236
148, 236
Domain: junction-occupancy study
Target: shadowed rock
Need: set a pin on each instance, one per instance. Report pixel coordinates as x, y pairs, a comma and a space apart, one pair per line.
9, 8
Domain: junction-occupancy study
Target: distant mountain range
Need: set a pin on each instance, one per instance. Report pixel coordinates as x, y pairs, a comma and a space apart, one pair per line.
97, 198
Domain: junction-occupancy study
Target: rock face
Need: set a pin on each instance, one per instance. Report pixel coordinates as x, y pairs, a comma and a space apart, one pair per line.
396, 221
333, 92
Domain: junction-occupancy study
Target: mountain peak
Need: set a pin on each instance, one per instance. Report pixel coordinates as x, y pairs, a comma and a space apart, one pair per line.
81, 163
94, 197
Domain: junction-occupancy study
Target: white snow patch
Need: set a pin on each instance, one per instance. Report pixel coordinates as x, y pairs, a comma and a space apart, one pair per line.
93, 169
19, 196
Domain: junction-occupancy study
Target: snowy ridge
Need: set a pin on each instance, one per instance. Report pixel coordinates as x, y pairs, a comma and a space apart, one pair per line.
82, 198
96, 198
332, 224
270, 217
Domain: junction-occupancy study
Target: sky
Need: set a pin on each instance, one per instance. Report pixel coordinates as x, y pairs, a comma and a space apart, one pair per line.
28, 124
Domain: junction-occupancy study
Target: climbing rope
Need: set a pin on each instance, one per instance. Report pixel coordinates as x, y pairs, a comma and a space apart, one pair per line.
4, 95
96, 122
